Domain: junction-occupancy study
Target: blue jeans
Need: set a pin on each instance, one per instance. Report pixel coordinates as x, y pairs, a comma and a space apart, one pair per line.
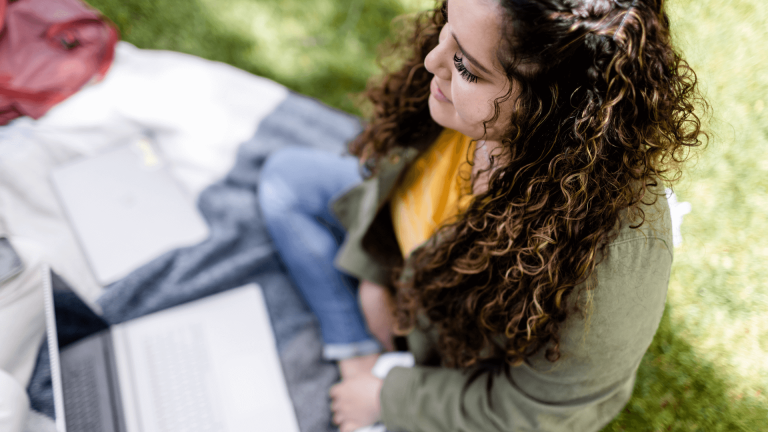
296, 187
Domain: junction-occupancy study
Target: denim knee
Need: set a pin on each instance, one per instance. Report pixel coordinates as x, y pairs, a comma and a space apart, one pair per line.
305, 180
276, 194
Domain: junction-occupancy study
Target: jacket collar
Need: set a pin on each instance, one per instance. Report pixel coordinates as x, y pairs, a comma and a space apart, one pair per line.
390, 169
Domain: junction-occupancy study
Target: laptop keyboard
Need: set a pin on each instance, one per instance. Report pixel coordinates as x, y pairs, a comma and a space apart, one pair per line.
81, 403
179, 367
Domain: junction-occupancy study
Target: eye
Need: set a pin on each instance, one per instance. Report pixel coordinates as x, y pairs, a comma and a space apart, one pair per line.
467, 75
444, 11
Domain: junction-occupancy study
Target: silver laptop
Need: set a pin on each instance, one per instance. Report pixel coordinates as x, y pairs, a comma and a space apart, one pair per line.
126, 209
208, 365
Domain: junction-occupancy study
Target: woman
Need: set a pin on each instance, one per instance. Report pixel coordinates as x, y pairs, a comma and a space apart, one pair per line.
513, 228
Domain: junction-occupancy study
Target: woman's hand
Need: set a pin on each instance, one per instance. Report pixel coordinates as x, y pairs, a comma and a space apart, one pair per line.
377, 306
355, 402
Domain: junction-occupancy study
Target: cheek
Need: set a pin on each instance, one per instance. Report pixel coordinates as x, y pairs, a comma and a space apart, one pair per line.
471, 105
476, 105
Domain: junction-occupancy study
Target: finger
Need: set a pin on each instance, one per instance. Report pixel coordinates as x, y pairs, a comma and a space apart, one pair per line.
348, 427
338, 419
335, 405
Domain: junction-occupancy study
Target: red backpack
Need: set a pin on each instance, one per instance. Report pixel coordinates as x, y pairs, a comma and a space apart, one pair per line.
49, 49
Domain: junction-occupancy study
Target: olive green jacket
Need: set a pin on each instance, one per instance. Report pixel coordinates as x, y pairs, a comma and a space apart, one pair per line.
601, 348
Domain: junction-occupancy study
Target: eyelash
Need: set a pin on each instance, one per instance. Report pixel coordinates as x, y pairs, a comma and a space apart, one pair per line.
457, 61
467, 75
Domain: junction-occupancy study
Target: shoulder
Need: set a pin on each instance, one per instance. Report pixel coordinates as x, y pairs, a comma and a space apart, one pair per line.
620, 308
614, 316
640, 255
621, 312
650, 219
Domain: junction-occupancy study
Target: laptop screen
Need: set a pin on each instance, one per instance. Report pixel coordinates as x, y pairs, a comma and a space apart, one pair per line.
74, 319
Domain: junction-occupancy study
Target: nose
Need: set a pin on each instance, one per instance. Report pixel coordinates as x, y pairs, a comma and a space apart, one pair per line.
435, 61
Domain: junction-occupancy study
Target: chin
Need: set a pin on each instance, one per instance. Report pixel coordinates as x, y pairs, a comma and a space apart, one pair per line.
447, 117
438, 115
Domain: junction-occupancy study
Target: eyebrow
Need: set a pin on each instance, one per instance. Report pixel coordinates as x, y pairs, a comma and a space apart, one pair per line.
471, 59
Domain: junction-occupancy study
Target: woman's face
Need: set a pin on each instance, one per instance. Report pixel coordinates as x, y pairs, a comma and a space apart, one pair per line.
467, 74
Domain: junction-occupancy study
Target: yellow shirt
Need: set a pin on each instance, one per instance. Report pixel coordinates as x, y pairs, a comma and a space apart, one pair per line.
435, 188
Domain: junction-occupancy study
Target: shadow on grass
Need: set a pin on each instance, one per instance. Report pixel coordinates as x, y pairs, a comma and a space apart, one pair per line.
176, 25
332, 73
677, 391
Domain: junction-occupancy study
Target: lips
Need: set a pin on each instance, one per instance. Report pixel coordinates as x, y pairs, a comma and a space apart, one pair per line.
437, 93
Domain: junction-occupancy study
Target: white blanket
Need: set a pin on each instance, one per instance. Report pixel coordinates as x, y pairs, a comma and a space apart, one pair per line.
199, 110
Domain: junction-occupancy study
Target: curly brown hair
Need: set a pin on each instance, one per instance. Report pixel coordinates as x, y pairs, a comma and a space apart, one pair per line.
607, 110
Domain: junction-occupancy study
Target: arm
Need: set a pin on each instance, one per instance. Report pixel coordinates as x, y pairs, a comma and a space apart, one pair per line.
377, 305
581, 392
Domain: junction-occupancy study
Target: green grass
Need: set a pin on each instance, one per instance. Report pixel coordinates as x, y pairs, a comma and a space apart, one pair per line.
322, 48
707, 368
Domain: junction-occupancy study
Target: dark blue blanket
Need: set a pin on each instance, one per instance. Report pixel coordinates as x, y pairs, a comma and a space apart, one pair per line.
240, 251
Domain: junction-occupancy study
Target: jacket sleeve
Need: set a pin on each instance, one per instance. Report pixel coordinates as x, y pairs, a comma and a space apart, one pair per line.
601, 346
357, 211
